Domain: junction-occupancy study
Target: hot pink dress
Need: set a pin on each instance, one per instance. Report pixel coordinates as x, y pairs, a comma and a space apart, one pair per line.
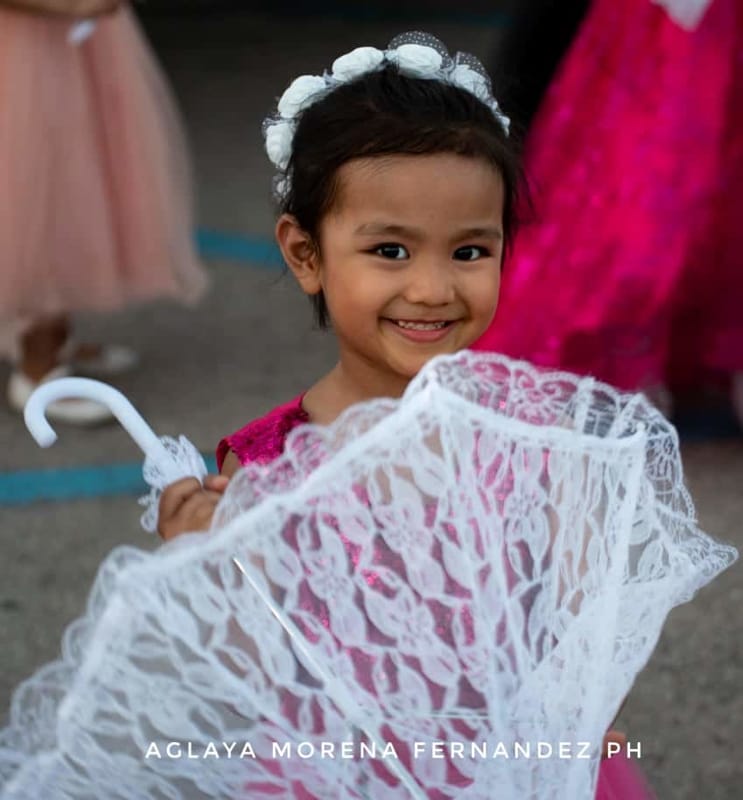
95, 196
262, 441
632, 266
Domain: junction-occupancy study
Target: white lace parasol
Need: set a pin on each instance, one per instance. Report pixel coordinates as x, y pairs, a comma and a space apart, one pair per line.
482, 566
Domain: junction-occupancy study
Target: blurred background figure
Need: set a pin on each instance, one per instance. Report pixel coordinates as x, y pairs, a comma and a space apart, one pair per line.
631, 266
95, 204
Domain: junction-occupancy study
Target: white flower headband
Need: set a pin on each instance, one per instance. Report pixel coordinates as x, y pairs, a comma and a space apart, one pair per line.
418, 55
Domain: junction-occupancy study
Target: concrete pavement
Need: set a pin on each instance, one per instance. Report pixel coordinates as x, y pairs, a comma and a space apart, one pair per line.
250, 346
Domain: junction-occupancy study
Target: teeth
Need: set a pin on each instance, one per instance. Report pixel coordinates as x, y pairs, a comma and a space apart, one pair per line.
421, 326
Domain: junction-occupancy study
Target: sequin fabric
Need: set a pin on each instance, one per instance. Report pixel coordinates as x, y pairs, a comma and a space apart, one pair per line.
629, 267
262, 440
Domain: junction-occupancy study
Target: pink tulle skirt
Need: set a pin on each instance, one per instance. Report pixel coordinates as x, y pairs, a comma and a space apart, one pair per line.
95, 204
631, 267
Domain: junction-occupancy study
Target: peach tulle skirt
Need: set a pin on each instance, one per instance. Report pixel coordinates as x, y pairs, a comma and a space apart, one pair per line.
95, 197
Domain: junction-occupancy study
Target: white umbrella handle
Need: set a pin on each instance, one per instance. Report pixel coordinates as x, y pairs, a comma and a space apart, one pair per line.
34, 413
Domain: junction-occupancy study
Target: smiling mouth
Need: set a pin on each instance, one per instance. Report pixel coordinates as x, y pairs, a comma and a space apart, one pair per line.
411, 325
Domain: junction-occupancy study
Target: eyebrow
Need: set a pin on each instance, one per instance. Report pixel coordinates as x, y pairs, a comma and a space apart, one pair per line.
390, 229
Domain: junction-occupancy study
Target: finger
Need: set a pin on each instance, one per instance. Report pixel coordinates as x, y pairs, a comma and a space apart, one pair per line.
175, 495
216, 483
616, 738
194, 514
202, 513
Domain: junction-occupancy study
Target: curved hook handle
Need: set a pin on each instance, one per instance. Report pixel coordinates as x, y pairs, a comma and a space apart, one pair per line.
62, 388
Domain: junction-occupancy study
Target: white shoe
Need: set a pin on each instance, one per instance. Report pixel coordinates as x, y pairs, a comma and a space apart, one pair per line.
111, 359
75, 411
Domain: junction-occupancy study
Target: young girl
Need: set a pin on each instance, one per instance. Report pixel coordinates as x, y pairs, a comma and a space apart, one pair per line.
397, 189
95, 209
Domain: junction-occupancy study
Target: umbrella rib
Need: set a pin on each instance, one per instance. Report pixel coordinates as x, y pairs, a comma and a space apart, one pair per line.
335, 688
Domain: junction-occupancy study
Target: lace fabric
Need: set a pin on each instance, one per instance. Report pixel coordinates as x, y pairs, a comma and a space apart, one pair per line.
454, 567
184, 461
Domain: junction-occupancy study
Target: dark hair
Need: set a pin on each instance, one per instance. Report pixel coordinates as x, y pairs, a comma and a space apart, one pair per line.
384, 113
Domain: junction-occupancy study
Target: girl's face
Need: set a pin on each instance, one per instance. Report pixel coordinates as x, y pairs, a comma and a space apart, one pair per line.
409, 261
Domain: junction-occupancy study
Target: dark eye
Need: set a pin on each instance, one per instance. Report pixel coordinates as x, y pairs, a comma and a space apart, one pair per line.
470, 253
395, 252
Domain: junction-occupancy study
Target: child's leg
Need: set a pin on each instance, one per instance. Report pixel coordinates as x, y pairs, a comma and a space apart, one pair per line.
41, 357
41, 345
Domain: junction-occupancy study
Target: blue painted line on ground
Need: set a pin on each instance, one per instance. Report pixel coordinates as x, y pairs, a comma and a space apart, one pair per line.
259, 251
74, 483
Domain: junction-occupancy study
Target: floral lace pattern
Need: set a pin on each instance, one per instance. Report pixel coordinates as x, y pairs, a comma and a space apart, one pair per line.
454, 567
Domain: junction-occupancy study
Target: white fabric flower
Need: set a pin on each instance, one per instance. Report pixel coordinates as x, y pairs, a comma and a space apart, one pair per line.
300, 94
281, 187
279, 143
416, 60
472, 81
502, 118
357, 62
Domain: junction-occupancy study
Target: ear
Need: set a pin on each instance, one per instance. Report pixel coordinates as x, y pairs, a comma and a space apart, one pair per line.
300, 253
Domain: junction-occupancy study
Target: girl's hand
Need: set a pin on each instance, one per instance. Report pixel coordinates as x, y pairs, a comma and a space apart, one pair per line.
613, 737
187, 506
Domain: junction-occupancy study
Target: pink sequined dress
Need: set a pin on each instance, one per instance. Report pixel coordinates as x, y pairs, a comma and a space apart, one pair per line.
631, 268
262, 441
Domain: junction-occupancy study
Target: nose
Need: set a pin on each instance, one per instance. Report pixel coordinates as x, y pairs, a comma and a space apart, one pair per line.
430, 282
